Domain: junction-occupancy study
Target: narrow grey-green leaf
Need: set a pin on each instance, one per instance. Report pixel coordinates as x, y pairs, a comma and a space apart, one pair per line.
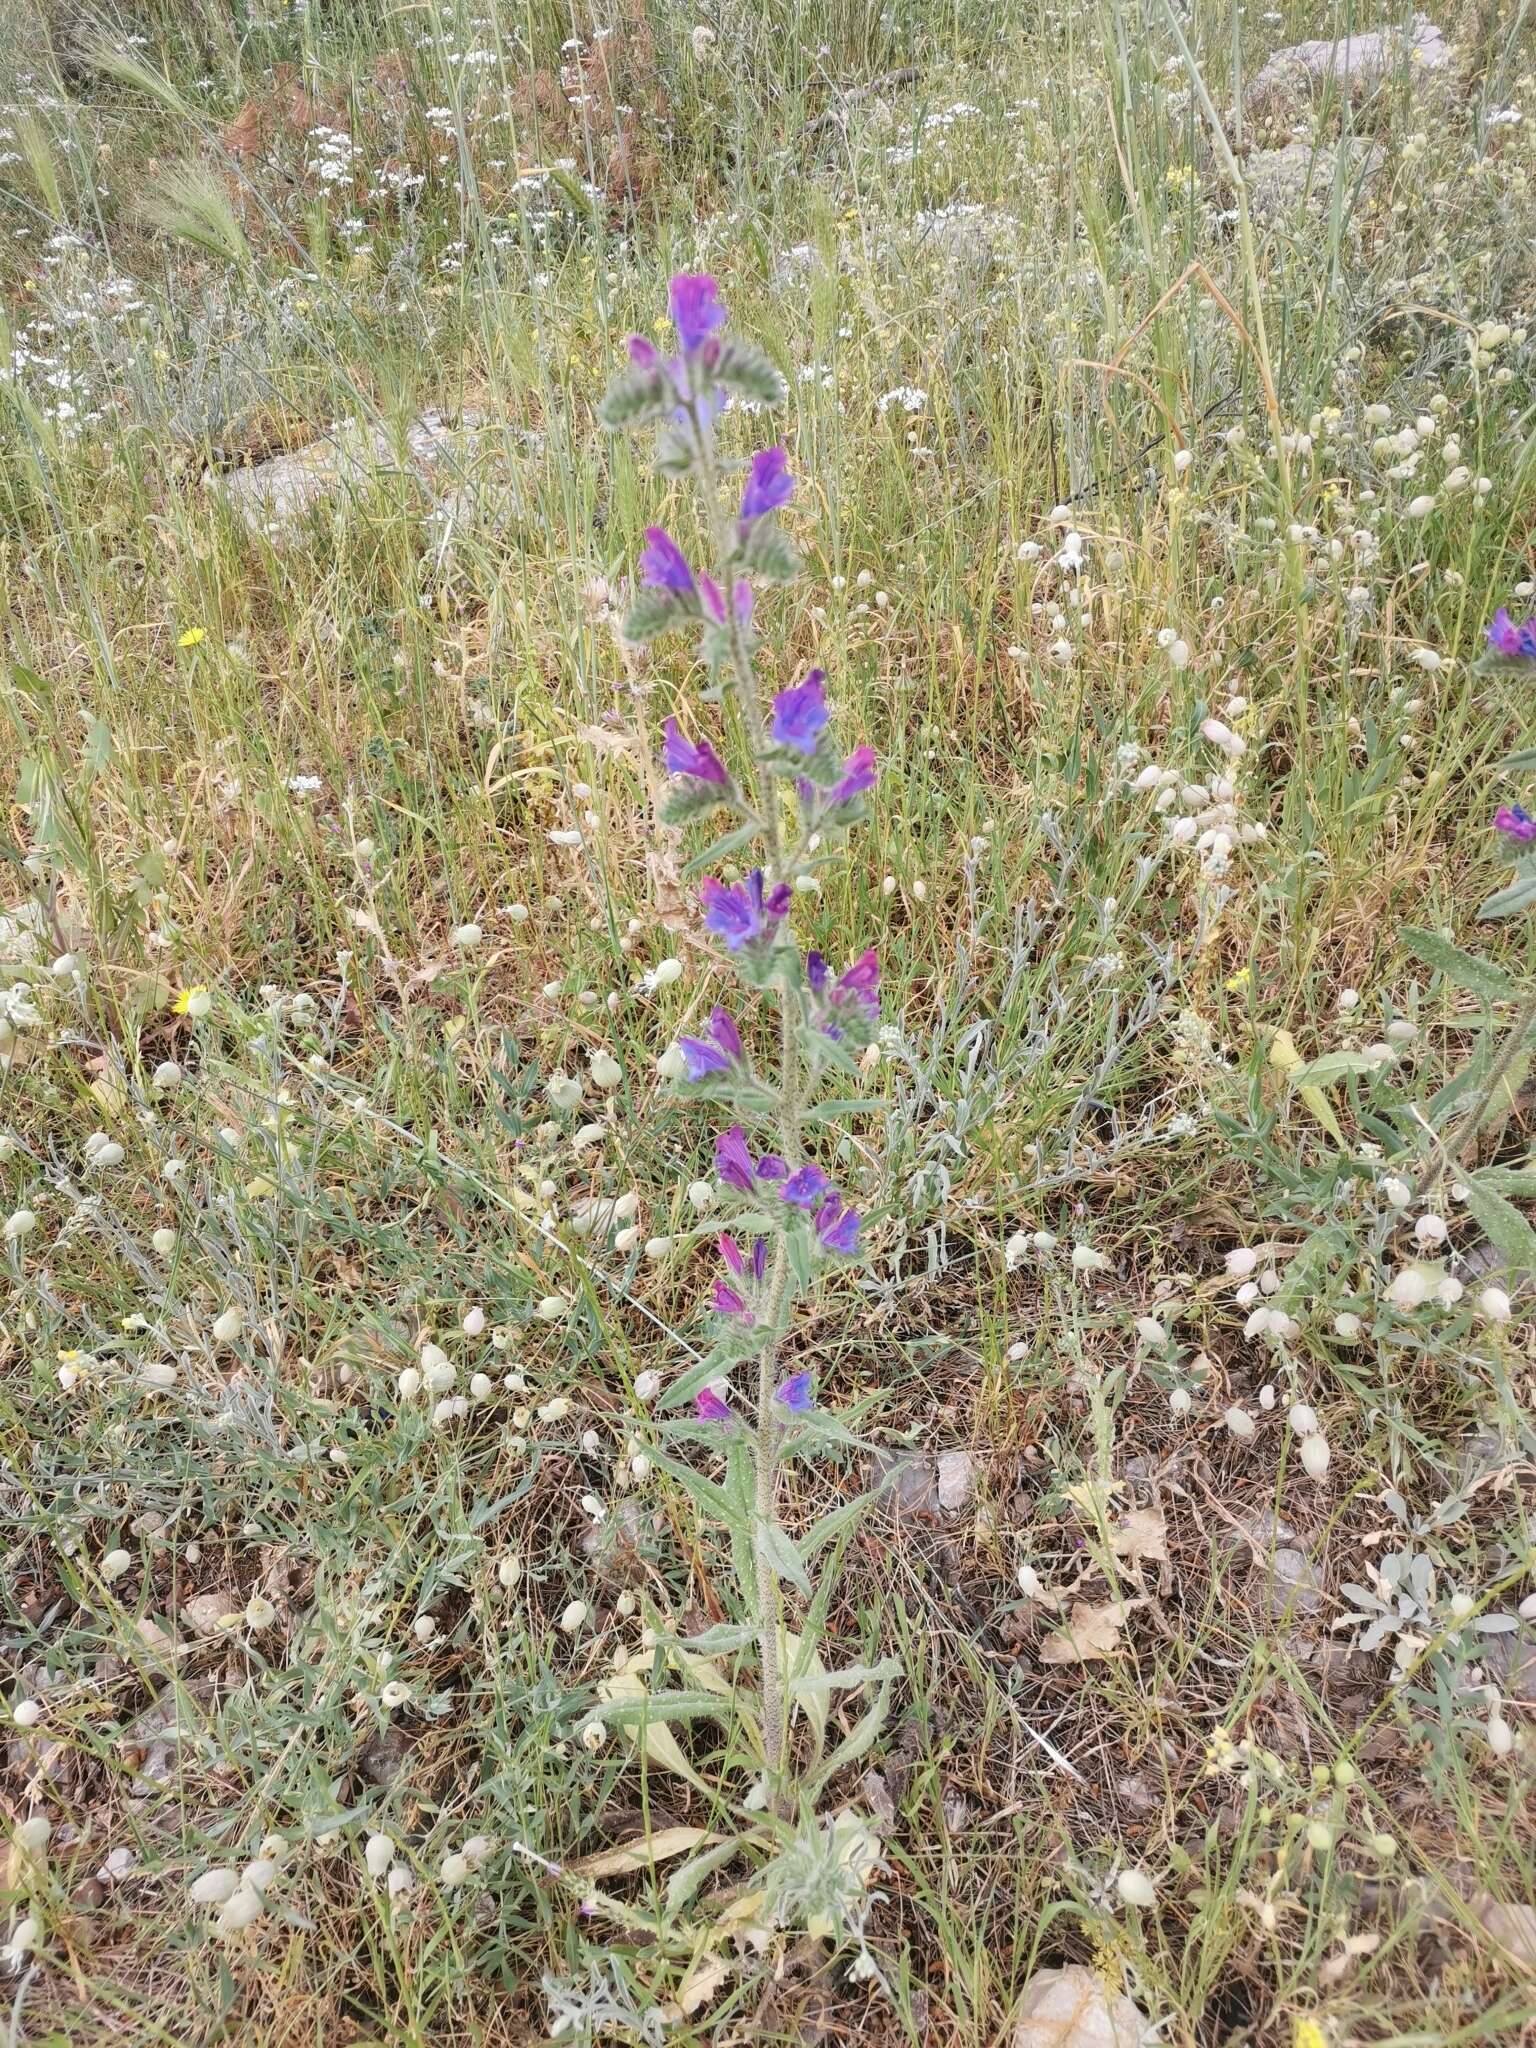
1479, 977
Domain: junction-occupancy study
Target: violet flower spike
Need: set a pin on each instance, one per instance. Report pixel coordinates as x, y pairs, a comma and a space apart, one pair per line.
711, 1408
800, 714
759, 1258
769, 485
663, 564
1515, 643
1516, 823
730, 1251
795, 1393
805, 1188
696, 309
860, 983
683, 756
642, 353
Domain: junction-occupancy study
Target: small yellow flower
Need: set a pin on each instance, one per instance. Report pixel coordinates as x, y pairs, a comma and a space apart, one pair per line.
1236, 983
194, 636
195, 1001
1308, 2034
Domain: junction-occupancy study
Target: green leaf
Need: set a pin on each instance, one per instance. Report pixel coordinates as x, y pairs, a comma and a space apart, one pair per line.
685, 1881
769, 553
722, 848
1507, 1228
1333, 1066
688, 797
1526, 758
832, 1524
775, 1544
1519, 895
1519, 1181
1480, 977
655, 612
749, 373
858, 1741
635, 398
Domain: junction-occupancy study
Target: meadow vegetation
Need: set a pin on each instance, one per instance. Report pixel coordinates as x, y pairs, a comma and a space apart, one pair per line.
1155, 1574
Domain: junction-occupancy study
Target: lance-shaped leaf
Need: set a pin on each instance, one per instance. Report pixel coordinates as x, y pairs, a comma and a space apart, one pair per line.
768, 552
636, 398
655, 612
748, 373
1479, 977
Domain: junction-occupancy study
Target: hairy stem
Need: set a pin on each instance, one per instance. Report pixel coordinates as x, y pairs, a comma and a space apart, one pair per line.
766, 1590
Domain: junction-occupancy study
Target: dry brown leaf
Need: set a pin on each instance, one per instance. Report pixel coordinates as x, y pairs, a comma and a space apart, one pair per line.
1070, 2008
1088, 1633
703, 1981
1512, 1927
1142, 1537
643, 1852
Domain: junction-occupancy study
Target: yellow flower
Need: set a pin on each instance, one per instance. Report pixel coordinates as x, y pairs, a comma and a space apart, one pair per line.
1236, 983
195, 1001
1308, 2034
194, 636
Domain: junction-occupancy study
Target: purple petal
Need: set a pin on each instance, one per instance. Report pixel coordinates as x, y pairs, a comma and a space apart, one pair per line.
837, 1226
733, 1162
641, 353
714, 603
800, 714
728, 1302
683, 756
816, 972
805, 1188
722, 1029
696, 308
710, 1406
861, 981
861, 771
769, 484
730, 1251
759, 1257
795, 1393
1515, 822
703, 1058
663, 564
771, 1167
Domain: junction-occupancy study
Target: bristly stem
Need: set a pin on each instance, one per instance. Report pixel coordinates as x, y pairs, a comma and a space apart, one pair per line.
766, 1449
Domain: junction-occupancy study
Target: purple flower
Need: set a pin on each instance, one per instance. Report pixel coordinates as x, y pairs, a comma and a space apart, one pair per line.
703, 1058
837, 1226
722, 1029
641, 353
856, 989
795, 1393
730, 1251
1515, 823
759, 1258
710, 1406
728, 1302
860, 773
743, 912
696, 309
769, 485
718, 1053
1515, 643
664, 565
735, 1165
805, 1188
681, 756
733, 1162
800, 714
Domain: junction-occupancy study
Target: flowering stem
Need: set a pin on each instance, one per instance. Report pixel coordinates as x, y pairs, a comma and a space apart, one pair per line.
766, 1448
